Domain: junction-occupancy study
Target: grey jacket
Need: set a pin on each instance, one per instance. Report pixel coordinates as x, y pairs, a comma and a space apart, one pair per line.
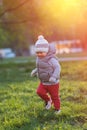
48, 67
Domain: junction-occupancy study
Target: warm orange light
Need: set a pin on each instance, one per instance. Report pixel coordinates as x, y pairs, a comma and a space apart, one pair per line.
66, 12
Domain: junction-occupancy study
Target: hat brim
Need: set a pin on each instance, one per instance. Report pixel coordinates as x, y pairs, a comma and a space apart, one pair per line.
41, 50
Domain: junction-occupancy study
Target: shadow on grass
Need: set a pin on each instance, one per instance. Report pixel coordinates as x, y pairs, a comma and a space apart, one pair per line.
16, 75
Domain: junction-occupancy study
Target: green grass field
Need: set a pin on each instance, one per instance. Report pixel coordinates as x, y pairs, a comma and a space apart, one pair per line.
22, 109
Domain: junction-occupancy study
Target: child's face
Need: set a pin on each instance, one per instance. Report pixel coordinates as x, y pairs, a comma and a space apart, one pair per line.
41, 54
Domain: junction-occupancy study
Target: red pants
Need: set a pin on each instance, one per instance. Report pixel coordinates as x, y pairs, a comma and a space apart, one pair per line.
53, 91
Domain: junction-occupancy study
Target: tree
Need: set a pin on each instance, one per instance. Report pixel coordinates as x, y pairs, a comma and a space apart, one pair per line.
57, 20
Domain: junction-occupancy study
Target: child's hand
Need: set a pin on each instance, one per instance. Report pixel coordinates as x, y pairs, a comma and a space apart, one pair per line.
52, 79
34, 73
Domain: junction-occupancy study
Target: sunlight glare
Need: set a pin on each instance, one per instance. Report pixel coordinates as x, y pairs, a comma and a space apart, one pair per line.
66, 12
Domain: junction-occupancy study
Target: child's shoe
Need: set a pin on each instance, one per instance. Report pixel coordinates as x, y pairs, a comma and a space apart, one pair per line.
57, 112
48, 104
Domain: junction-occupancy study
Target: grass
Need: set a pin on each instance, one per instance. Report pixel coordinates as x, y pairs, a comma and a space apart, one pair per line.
22, 109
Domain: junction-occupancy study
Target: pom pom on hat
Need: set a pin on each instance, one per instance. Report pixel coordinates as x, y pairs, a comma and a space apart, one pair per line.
41, 44
40, 37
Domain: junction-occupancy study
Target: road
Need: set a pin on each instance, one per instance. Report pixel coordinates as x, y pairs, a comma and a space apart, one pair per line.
33, 60
72, 58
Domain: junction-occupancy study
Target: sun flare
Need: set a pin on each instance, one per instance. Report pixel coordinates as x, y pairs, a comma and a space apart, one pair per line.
66, 12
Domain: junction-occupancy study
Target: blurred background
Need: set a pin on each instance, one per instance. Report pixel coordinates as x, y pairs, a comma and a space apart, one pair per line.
62, 22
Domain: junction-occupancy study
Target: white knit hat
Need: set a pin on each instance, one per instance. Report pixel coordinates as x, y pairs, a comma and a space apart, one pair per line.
41, 44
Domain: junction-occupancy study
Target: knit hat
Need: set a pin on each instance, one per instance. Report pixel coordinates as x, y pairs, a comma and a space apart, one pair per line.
41, 44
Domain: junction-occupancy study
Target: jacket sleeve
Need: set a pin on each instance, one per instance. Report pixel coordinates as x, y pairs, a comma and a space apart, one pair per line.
34, 72
57, 68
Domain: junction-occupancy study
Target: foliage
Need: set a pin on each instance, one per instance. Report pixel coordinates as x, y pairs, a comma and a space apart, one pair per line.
4, 36
22, 109
56, 20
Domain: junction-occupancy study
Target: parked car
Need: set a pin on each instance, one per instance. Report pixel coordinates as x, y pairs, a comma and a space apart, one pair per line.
63, 50
7, 53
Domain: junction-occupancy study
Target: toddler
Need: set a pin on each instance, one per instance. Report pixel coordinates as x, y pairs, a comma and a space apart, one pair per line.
48, 71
